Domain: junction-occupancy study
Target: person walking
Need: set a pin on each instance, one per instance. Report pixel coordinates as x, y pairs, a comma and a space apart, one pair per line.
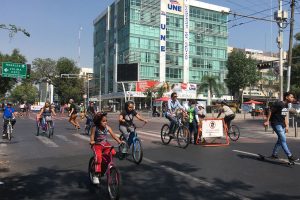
278, 120
73, 111
193, 119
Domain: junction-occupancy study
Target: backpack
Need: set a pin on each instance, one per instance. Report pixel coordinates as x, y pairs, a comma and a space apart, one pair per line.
77, 108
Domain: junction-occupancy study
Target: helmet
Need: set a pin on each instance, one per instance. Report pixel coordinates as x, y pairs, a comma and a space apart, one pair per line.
9, 103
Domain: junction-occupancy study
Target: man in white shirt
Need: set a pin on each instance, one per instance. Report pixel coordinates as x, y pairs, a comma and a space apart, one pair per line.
229, 114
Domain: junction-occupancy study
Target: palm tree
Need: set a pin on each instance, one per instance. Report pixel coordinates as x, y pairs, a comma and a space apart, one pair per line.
212, 85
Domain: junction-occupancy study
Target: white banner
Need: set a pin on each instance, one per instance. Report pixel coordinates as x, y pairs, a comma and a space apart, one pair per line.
174, 6
186, 35
163, 37
212, 128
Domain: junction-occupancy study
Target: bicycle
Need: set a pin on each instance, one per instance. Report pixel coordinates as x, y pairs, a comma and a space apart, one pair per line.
234, 132
88, 127
108, 169
9, 129
134, 142
46, 125
182, 136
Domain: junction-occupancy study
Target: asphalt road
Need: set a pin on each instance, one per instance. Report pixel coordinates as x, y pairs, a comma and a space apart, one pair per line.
35, 167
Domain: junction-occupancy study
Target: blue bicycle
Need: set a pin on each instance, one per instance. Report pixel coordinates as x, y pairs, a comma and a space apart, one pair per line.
134, 143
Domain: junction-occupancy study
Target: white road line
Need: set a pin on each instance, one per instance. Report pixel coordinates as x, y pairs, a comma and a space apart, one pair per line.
197, 180
82, 137
256, 155
149, 134
3, 145
64, 138
47, 141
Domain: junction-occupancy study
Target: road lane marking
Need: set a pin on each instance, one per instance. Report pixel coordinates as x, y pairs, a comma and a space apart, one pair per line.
3, 145
197, 180
256, 155
82, 137
47, 141
65, 139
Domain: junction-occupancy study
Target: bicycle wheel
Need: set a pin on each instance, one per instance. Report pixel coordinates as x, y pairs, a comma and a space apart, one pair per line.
137, 151
114, 183
164, 134
51, 129
234, 132
9, 132
121, 152
87, 130
91, 169
38, 129
183, 137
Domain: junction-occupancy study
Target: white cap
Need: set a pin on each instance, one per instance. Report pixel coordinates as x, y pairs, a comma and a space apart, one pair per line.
201, 105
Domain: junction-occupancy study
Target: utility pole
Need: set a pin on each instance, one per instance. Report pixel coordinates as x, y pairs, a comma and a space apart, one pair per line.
280, 16
290, 45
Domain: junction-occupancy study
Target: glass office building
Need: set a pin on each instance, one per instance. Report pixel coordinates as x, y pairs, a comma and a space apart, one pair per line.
172, 40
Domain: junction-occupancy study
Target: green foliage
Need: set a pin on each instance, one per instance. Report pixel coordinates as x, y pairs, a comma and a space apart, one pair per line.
295, 69
212, 84
242, 71
25, 92
13, 29
68, 88
7, 83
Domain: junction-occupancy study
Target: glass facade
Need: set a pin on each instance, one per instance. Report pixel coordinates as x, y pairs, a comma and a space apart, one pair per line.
135, 26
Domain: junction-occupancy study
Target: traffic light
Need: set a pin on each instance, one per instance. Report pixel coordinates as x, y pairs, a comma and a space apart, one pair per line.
28, 71
264, 65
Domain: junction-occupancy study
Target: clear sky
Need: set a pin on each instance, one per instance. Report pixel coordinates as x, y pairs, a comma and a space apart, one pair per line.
54, 26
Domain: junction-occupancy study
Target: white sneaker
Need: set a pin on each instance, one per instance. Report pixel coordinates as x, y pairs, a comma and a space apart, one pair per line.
96, 180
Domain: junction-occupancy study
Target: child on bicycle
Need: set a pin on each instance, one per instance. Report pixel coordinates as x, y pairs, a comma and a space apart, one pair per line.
8, 113
46, 112
126, 120
98, 140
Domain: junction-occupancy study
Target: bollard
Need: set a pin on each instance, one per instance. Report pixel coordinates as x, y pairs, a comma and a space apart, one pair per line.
296, 132
293, 122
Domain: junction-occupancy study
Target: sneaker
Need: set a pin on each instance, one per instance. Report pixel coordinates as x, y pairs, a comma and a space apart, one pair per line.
274, 156
3, 135
292, 158
96, 180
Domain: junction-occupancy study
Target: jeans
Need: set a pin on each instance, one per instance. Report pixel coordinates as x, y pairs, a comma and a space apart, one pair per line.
280, 131
172, 119
193, 128
128, 133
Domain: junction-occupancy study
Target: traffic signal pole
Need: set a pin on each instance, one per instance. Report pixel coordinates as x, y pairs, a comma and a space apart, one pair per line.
290, 45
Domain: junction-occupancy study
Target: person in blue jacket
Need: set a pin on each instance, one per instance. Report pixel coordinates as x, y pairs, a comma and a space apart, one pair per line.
8, 113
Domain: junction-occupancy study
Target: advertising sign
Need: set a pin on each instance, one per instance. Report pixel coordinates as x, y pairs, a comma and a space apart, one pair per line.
174, 6
163, 36
186, 36
142, 86
185, 90
212, 128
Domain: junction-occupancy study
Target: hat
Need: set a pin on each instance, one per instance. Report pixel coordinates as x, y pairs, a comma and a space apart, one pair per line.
201, 105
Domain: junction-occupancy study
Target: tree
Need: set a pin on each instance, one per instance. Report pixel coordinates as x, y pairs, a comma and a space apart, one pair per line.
7, 83
25, 92
13, 29
295, 69
212, 85
68, 88
43, 69
242, 72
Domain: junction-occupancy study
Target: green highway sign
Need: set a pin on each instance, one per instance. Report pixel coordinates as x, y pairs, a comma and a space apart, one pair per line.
14, 70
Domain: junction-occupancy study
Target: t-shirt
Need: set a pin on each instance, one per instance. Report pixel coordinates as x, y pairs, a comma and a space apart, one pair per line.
74, 107
227, 111
174, 105
128, 117
8, 112
100, 136
279, 111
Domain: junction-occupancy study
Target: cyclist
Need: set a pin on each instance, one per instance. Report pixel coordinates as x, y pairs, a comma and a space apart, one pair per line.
46, 112
8, 113
126, 120
229, 114
279, 121
173, 106
98, 140
90, 113
73, 114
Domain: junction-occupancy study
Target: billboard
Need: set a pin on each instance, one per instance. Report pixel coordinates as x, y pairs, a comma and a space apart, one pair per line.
174, 6
184, 90
142, 86
128, 72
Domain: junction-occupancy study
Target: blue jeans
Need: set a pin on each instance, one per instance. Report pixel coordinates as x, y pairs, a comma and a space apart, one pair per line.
172, 120
280, 131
